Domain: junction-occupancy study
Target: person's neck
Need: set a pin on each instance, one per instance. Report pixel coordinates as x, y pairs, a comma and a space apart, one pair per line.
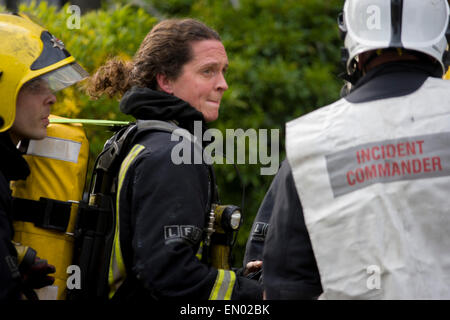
387, 58
14, 138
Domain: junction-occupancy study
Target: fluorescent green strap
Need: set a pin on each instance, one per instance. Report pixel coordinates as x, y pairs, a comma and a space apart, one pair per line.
90, 122
117, 272
223, 287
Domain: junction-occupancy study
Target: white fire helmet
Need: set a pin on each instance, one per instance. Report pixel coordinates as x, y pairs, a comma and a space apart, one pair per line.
419, 25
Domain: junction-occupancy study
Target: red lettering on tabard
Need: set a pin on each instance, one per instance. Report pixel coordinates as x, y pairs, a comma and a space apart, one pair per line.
395, 169
436, 163
417, 166
401, 150
420, 143
406, 167
370, 172
384, 170
426, 164
365, 155
376, 157
349, 180
410, 148
358, 158
395, 166
390, 151
359, 175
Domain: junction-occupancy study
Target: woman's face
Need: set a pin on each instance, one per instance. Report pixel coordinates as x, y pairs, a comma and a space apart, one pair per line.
202, 80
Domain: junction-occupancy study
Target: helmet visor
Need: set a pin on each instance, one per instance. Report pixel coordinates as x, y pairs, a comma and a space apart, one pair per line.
65, 76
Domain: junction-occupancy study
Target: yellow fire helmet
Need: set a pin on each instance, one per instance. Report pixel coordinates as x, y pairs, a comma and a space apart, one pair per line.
28, 51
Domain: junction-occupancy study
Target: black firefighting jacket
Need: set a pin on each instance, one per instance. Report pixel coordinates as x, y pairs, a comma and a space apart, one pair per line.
12, 167
163, 209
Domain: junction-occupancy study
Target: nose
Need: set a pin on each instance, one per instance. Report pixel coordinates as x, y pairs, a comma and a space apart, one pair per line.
50, 100
221, 83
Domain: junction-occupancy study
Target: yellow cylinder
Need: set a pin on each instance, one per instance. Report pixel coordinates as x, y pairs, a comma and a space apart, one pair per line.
219, 257
58, 166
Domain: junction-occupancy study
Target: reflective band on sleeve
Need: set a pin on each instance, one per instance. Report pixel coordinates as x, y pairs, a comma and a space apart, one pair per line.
55, 148
223, 287
117, 272
199, 254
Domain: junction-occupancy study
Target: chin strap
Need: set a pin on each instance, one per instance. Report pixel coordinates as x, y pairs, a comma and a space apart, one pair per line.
355, 75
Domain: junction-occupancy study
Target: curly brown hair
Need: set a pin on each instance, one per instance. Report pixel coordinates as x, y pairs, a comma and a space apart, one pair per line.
165, 49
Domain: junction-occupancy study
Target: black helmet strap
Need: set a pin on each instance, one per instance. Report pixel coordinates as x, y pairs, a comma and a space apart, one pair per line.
396, 22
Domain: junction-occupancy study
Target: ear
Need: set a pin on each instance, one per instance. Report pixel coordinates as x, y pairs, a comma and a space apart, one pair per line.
164, 83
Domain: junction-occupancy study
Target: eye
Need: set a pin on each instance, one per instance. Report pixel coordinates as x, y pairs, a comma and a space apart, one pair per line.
33, 86
208, 71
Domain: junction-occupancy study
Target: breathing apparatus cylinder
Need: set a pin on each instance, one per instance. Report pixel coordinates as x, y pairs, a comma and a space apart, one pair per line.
226, 221
45, 204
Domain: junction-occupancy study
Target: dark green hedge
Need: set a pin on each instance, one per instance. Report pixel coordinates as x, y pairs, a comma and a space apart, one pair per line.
284, 59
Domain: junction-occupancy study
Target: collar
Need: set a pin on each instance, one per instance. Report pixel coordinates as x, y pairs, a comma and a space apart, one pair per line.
391, 80
12, 164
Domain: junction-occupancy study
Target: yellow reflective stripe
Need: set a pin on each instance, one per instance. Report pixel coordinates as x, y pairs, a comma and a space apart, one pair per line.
199, 254
230, 287
217, 284
55, 148
223, 287
117, 272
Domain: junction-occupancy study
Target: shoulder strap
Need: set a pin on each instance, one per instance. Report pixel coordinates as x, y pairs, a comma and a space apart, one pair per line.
114, 148
171, 127
118, 146
165, 126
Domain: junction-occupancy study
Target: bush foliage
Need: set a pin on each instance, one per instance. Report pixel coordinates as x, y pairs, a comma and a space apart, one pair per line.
284, 59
